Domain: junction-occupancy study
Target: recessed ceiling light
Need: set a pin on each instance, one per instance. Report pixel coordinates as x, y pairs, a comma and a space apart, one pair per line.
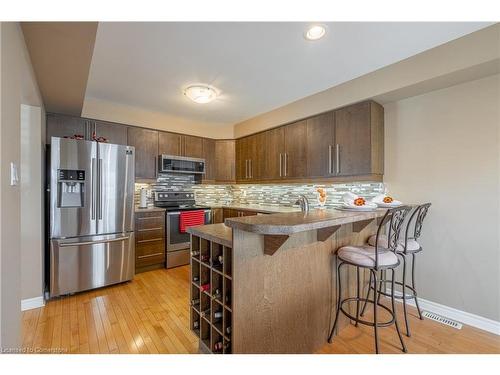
201, 93
315, 32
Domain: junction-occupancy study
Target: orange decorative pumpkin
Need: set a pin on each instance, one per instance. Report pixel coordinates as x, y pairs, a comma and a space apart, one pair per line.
359, 201
388, 199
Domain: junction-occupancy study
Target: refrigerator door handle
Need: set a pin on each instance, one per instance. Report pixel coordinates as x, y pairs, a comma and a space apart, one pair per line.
93, 183
99, 189
71, 244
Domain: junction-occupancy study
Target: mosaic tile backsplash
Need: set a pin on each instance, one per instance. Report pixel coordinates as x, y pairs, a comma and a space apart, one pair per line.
265, 195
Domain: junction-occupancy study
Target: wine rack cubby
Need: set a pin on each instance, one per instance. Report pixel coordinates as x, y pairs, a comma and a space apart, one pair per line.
211, 286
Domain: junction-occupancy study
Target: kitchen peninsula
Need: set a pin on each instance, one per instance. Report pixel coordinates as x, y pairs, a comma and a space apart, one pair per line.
278, 275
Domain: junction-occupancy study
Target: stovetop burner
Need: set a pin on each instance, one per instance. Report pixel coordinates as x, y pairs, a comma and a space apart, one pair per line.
176, 201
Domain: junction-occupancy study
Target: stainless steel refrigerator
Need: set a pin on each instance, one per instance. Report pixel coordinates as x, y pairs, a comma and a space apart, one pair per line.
91, 215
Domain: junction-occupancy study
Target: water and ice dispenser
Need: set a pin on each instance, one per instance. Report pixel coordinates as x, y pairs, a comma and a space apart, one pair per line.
70, 188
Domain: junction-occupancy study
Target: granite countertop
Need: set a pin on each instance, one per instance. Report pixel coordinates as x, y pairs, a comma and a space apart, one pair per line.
294, 222
213, 232
150, 209
257, 207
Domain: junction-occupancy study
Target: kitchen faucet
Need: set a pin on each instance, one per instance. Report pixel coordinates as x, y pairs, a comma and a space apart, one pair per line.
303, 202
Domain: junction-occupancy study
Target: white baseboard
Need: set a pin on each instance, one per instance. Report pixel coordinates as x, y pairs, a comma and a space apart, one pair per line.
32, 303
455, 314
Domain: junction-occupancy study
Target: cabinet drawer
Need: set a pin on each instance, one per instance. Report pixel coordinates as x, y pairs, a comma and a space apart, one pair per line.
149, 222
149, 235
150, 252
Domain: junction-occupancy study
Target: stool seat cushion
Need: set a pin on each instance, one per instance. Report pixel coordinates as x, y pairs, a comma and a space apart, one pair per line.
364, 256
413, 245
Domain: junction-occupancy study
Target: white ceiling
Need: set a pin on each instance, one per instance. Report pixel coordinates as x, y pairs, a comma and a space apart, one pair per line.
256, 66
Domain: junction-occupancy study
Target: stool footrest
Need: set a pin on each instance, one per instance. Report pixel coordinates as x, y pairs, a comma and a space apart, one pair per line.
366, 322
410, 296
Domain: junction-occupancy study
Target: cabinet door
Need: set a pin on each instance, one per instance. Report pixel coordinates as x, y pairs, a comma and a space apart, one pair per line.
257, 157
114, 133
353, 140
192, 147
295, 163
169, 144
241, 159
320, 145
252, 155
209, 154
273, 154
146, 151
225, 160
217, 215
65, 126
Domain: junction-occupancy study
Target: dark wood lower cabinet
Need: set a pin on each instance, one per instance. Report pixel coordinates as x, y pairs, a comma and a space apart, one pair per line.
149, 240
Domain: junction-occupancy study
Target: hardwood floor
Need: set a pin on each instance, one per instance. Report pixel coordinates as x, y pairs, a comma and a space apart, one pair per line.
150, 315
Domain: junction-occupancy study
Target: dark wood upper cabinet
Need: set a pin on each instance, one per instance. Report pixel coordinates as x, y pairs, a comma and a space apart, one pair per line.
208, 146
295, 158
359, 140
320, 145
241, 159
225, 161
274, 148
114, 133
169, 144
146, 151
180, 145
65, 126
192, 146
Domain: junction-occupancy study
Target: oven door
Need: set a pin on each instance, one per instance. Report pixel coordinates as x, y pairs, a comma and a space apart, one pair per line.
175, 239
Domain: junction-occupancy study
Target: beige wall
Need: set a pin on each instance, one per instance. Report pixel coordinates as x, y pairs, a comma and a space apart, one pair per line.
109, 111
17, 86
443, 147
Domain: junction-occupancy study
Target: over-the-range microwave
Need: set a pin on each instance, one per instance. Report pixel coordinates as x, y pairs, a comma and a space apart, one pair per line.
180, 164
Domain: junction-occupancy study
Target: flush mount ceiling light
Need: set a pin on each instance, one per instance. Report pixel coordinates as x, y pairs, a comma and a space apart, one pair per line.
315, 32
201, 93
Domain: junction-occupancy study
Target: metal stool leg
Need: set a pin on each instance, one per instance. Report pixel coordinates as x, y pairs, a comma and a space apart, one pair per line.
413, 286
339, 290
394, 312
375, 299
367, 295
357, 295
404, 296
381, 283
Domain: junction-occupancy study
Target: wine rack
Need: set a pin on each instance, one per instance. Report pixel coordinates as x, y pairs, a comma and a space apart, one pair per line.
211, 296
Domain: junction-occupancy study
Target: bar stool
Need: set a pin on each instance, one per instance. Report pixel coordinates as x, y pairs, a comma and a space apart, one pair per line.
373, 259
409, 246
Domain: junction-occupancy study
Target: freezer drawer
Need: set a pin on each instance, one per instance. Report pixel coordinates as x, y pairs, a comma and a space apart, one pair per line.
84, 263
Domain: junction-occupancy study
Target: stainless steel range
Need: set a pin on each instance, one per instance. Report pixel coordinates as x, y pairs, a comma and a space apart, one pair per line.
177, 242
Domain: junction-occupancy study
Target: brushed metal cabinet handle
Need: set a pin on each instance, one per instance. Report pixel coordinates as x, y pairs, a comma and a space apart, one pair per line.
330, 159
150, 217
148, 256
250, 163
149, 229
337, 157
151, 240
281, 173
286, 163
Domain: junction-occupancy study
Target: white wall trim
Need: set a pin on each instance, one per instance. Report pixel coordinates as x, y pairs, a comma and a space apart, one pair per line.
455, 314
32, 303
